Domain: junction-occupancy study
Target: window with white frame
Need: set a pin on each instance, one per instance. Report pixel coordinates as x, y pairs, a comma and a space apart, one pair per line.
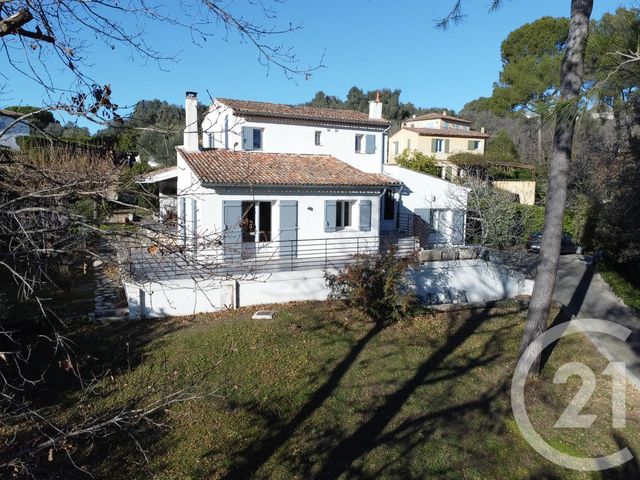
359, 142
396, 148
474, 144
318, 136
439, 145
409, 144
343, 214
212, 140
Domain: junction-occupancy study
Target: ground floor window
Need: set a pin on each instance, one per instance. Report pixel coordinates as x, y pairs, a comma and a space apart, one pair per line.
343, 214
256, 221
437, 219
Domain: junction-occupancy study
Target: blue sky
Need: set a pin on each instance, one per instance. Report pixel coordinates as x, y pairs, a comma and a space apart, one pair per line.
368, 43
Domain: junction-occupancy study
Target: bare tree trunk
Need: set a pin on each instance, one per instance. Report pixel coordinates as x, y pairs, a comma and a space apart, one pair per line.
540, 155
571, 81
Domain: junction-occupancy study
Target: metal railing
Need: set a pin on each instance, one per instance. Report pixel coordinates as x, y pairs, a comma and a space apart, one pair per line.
249, 258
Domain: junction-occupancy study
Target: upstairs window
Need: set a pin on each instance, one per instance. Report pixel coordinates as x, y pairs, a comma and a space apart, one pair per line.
317, 139
251, 138
439, 145
474, 144
257, 139
359, 139
396, 148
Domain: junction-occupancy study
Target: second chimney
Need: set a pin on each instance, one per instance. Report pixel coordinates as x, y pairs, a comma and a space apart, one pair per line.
190, 142
375, 108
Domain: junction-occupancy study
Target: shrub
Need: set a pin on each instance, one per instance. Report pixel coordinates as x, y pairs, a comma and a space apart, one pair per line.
375, 284
418, 162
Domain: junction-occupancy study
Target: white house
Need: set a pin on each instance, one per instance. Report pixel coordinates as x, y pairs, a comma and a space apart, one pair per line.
275, 196
14, 129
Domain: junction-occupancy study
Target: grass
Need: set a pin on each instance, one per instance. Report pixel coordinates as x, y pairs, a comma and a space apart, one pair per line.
624, 281
321, 392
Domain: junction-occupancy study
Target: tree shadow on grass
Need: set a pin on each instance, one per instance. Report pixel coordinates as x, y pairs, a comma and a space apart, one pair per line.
329, 451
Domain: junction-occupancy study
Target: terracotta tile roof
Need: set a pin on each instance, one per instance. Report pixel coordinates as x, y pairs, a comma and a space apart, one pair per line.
435, 116
300, 112
448, 132
226, 167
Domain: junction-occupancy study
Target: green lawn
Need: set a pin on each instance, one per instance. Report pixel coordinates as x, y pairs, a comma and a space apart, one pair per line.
624, 281
322, 392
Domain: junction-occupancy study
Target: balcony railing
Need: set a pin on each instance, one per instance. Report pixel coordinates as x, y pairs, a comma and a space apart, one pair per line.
248, 258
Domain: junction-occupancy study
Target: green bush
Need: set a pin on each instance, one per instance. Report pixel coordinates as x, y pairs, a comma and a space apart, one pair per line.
418, 162
375, 284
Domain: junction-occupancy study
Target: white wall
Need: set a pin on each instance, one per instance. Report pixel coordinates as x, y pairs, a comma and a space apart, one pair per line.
480, 280
311, 206
427, 192
280, 137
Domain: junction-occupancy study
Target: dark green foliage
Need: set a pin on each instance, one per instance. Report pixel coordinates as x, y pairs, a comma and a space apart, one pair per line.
68, 130
501, 145
375, 284
392, 108
531, 58
153, 130
418, 162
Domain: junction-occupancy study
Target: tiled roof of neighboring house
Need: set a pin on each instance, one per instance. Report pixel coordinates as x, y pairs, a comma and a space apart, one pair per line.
228, 167
157, 175
301, 112
435, 116
448, 132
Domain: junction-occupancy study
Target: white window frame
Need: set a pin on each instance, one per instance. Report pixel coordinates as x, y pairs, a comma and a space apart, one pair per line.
318, 138
439, 145
359, 143
396, 148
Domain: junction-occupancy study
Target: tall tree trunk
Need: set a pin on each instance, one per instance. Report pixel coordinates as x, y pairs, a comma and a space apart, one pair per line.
571, 80
540, 155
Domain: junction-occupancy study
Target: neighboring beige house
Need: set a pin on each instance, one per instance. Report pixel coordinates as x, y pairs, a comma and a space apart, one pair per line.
438, 135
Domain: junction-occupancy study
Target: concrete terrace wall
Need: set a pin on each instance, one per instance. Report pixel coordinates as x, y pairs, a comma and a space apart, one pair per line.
478, 279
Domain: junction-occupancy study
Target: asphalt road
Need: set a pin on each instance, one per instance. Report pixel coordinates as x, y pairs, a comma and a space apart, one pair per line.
586, 295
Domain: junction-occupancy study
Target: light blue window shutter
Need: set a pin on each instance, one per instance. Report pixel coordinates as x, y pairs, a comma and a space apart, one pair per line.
194, 223
247, 138
330, 215
232, 212
365, 215
182, 222
370, 145
288, 228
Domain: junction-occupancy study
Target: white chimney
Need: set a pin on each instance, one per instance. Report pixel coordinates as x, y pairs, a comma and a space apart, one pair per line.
481, 129
444, 112
375, 108
190, 142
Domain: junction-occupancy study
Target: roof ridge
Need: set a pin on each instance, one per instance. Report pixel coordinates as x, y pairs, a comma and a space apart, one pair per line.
299, 105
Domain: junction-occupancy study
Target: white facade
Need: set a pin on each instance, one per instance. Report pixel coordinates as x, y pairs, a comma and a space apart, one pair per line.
223, 129
440, 203
10, 138
204, 225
